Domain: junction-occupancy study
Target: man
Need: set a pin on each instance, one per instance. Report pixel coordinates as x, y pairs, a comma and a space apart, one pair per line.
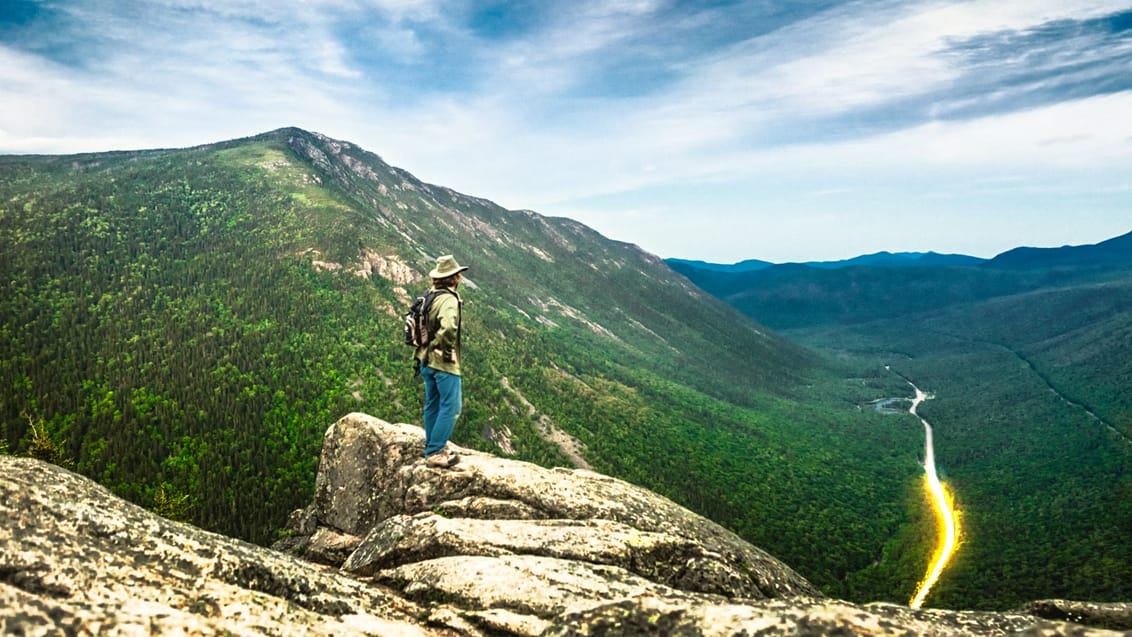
440, 363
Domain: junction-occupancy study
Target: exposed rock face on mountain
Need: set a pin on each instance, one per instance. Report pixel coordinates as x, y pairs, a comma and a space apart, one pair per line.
489, 547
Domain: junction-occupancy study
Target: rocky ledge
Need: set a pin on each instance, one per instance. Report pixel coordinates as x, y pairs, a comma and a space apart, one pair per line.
390, 546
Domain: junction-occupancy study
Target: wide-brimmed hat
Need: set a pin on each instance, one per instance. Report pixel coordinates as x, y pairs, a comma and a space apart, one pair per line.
446, 266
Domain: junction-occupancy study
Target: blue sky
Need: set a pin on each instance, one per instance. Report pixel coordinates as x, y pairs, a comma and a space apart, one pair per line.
715, 130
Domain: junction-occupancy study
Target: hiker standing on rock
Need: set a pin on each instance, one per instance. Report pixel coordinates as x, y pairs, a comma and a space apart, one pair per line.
440, 363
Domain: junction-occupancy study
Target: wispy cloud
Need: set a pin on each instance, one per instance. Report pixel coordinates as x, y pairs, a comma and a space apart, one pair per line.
591, 108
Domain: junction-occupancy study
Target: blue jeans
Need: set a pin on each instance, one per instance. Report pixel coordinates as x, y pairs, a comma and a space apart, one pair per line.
443, 399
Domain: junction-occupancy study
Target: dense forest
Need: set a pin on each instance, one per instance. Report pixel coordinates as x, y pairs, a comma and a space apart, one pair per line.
1032, 410
183, 326
1044, 485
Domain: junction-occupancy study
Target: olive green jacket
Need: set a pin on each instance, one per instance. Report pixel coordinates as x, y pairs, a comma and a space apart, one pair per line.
443, 353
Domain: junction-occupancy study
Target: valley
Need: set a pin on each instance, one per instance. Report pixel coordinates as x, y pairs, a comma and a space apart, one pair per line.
942, 503
183, 325
1069, 401
1043, 486
1032, 408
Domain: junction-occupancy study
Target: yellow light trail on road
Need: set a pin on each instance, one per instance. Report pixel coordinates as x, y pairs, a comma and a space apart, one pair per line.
948, 517
944, 506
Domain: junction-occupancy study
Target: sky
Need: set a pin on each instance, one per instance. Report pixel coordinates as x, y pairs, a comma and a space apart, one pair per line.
715, 130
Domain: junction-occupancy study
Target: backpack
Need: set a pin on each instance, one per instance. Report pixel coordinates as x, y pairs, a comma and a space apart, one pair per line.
418, 330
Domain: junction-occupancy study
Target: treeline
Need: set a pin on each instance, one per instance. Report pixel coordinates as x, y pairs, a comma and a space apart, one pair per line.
1044, 489
822, 484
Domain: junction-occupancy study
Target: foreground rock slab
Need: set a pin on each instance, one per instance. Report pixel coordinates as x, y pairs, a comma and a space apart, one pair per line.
372, 484
519, 549
76, 560
395, 548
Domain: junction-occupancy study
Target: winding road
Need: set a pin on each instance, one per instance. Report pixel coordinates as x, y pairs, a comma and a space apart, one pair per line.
944, 508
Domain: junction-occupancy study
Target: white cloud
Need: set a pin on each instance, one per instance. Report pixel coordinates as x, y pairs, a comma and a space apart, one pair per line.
517, 129
1088, 133
975, 187
34, 94
971, 18
862, 54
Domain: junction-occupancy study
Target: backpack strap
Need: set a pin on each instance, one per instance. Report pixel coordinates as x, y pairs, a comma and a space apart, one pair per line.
459, 318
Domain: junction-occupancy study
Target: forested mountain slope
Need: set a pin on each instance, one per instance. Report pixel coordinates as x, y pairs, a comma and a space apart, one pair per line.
186, 323
1032, 412
807, 295
1115, 252
1029, 359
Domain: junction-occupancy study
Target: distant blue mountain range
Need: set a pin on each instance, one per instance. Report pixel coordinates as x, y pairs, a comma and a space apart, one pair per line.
750, 265
877, 259
882, 285
1115, 250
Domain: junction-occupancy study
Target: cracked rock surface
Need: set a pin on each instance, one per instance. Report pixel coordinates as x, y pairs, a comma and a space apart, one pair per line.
373, 485
390, 546
76, 560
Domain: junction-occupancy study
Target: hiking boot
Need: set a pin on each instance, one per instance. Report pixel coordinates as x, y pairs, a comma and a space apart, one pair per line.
442, 459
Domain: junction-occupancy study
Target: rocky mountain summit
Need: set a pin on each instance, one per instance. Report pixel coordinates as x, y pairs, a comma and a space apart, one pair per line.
390, 546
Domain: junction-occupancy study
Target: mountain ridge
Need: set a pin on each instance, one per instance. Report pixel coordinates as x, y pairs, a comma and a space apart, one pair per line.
876, 259
185, 322
1115, 249
1027, 356
786, 296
